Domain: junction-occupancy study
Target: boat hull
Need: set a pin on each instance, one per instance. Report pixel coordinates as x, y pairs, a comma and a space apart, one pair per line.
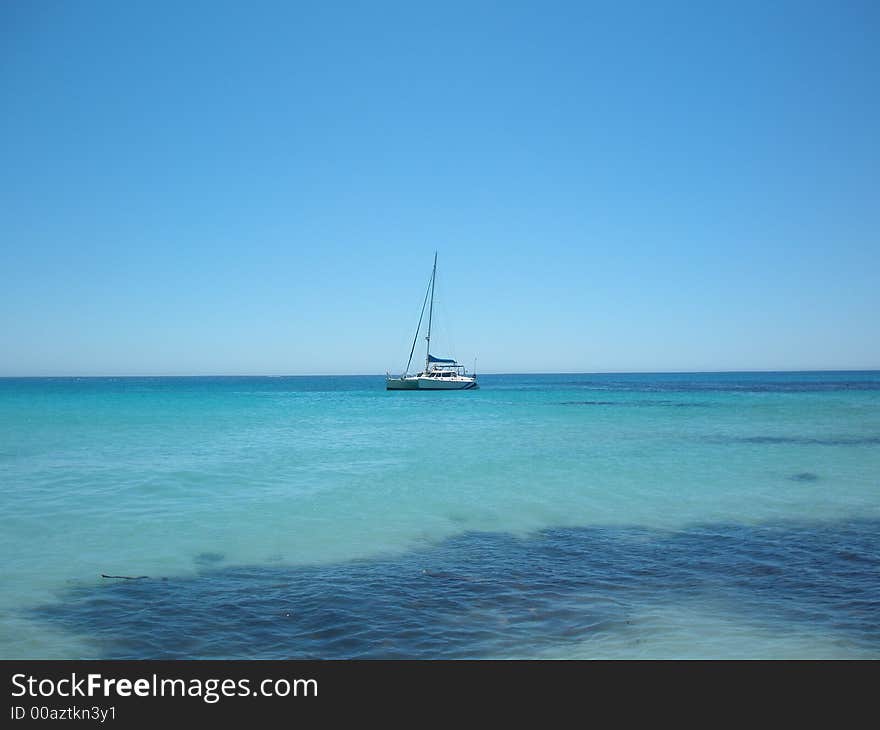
447, 384
401, 384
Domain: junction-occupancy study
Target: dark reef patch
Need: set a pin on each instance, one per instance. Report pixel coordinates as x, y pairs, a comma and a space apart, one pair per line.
799, 440
491, 594
635, 403
685, 384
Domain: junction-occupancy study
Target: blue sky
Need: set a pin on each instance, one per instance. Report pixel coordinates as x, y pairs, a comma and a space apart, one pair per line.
259, 188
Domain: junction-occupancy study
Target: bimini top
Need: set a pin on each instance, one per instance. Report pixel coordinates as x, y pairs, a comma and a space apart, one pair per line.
431, 358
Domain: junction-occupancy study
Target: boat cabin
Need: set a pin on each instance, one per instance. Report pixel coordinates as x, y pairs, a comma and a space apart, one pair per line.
446, 371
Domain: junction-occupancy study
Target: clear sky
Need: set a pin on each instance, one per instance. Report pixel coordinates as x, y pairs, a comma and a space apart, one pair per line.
259, 188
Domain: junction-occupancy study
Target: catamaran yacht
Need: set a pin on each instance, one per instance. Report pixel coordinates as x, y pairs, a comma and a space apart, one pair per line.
439, 373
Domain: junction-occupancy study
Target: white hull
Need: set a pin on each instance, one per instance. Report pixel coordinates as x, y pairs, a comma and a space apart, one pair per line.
408, 383
447, 383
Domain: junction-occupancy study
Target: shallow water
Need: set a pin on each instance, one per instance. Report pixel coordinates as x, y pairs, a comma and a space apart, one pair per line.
543, 515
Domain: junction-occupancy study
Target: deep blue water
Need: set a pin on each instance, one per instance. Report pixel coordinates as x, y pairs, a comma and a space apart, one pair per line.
495, 595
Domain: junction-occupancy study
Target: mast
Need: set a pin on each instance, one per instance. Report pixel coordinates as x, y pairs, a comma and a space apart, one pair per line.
430, 315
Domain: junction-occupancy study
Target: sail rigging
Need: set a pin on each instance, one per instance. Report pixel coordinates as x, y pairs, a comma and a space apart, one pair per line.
419, 326
431, 313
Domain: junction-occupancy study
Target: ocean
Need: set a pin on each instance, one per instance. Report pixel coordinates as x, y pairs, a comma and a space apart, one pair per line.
732, 515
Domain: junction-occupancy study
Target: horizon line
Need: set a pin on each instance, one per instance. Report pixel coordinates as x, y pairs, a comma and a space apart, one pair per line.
371, 375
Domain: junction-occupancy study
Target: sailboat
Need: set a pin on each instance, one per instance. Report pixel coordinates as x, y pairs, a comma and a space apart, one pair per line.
440, 373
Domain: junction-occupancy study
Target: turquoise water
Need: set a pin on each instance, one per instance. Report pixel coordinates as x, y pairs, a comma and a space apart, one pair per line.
675, 515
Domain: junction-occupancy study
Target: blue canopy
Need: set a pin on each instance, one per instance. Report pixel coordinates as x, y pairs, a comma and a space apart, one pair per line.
431, 358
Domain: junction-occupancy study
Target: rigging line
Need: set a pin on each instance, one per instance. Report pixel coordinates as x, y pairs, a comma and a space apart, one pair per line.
418, 329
